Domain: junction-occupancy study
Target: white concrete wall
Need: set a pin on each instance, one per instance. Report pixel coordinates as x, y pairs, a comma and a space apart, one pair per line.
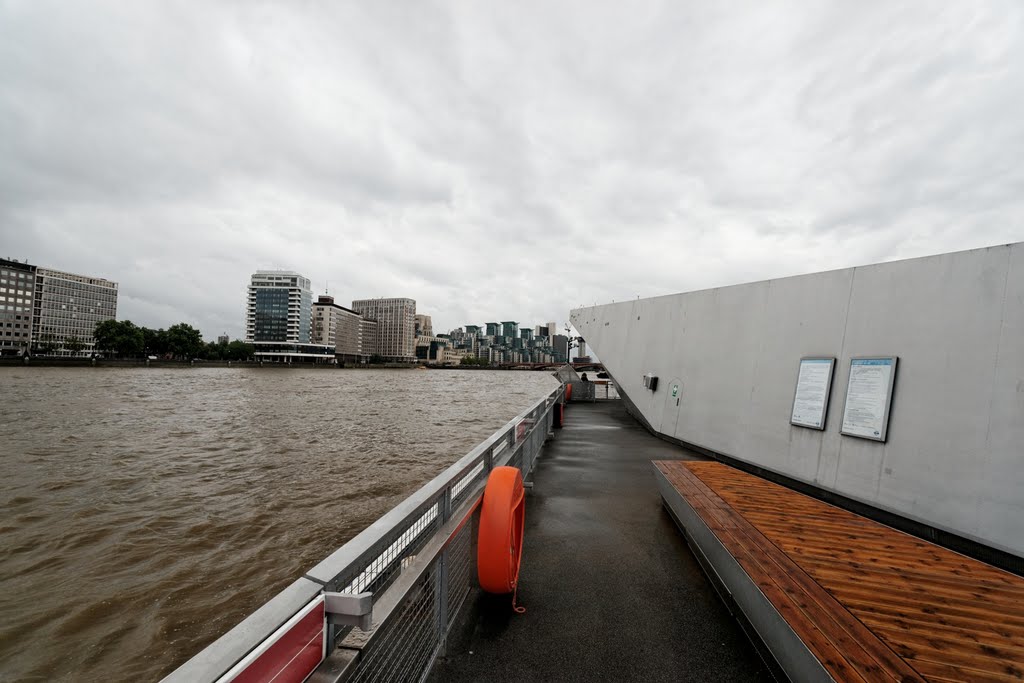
955, 452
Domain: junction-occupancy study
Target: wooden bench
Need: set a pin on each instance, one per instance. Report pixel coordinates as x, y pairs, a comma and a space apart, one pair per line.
835, 595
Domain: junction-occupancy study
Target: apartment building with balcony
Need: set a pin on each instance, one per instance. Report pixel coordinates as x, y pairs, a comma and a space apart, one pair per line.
279, 319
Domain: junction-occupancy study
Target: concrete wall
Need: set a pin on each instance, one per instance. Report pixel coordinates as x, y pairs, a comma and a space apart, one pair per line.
955, 452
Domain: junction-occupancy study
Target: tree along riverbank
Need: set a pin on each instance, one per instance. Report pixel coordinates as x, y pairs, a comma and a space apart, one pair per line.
43, 361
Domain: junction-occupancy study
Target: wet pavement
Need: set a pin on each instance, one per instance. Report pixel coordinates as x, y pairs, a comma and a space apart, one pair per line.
610, 588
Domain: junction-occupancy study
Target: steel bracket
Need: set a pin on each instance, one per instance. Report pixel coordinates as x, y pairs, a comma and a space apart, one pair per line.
349, 609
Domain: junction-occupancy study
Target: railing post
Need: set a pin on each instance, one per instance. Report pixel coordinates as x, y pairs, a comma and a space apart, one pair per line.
531, 447
332, 637
526, 462
441, 577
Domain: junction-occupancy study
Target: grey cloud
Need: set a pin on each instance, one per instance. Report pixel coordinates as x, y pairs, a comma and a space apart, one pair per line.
500, 161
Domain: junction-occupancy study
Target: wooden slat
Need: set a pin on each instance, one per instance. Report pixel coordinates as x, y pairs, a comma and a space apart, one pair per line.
935, 604
870, 602
941, 671
928, 618
912, 580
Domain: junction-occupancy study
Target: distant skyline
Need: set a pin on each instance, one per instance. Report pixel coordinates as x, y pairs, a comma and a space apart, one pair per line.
499, 160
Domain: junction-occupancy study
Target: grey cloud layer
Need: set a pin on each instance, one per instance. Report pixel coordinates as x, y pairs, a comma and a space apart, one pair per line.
500, 161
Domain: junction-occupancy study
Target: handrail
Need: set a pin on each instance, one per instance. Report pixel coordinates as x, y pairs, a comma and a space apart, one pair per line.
373, 557
366, 542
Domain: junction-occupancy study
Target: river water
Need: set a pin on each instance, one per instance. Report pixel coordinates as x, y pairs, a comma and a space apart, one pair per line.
144, 512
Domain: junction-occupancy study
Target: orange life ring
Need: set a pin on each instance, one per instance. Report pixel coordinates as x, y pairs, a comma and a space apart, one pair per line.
568, 392
500, 543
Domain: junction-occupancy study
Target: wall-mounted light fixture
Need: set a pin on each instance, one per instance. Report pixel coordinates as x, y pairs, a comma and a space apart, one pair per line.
650, 382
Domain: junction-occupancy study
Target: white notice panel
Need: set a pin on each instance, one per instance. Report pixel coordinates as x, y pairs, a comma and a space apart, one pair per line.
868, 395
813, 385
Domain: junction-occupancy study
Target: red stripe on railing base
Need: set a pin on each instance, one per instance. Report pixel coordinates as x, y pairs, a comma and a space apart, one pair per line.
298, 650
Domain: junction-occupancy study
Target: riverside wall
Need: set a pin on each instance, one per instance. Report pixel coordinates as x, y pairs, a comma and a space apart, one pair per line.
954, 457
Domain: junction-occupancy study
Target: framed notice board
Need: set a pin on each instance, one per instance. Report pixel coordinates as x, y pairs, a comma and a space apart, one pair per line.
869, 397
813, 386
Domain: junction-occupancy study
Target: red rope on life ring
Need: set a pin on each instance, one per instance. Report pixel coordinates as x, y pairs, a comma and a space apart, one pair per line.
500, 542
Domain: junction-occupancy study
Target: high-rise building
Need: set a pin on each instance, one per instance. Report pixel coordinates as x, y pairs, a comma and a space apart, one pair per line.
279, 308
560, 344
424, 326
223, 338
396, 326
66, 308
540, 331
493, 329
279, 316
509, 329
17, 287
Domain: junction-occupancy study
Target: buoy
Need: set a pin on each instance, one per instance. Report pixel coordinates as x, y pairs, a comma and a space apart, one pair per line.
568, 393
500, 543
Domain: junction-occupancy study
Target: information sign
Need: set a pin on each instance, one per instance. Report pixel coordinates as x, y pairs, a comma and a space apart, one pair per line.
813, 386
868, 396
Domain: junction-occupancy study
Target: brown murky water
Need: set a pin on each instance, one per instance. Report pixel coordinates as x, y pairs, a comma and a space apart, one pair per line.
144, 512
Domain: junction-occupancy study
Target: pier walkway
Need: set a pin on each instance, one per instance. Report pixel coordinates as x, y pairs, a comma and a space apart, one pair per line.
611, 590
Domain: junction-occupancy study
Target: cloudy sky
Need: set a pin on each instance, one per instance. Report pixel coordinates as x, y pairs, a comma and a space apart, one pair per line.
500, 161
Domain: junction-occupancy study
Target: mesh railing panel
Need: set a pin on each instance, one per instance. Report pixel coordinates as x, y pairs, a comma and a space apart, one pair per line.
583, 391
461, 568
466, 483
594, 391
381, 570
517, 458
403, 648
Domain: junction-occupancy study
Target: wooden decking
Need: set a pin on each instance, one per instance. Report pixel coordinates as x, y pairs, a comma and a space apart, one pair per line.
869, 602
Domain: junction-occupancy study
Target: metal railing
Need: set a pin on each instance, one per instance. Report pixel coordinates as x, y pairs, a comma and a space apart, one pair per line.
415, 565
596, 390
